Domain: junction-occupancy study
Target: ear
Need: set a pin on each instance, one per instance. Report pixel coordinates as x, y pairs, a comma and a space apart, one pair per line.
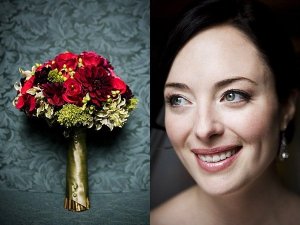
289, 109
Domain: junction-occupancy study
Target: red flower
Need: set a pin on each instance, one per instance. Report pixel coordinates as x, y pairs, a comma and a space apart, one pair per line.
46, 64
93, 59
73, 92
27, 85
119, 84
53, 92
41, 76
67, 58
97, 82
26, 102
112, 72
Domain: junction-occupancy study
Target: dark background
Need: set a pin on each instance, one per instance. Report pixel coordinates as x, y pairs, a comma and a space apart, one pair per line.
168, 176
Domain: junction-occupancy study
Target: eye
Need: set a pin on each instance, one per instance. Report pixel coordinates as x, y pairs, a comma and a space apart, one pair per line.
176, 100
235, 96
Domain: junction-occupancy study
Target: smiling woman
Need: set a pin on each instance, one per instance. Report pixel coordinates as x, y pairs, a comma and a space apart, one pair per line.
215, 107
230, 99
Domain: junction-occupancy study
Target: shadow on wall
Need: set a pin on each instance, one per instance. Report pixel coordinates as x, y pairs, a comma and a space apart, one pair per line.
291, 168
168, 176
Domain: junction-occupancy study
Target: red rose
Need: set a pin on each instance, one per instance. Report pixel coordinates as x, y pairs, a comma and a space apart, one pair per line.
53, 92
97, 82
93, 59
73, 92
69, 59
26, 102
119, 84
27, 85
112, 72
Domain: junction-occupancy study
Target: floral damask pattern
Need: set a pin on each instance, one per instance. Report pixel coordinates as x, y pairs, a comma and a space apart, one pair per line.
32, 156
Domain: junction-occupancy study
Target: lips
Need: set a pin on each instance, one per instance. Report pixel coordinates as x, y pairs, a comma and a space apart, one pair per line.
217, 159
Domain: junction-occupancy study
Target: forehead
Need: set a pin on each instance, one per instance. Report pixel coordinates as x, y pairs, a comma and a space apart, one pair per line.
219, 51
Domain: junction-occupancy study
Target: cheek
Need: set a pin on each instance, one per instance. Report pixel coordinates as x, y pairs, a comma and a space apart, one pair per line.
261, 126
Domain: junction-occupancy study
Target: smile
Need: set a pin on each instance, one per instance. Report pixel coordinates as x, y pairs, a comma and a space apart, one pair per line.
217, 159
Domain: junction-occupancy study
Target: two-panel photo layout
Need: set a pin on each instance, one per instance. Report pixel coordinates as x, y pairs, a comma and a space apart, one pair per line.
150, 112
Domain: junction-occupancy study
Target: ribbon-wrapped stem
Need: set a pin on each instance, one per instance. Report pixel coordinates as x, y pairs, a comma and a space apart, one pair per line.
77, 175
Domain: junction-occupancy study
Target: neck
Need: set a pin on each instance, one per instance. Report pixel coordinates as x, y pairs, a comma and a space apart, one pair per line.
247, 206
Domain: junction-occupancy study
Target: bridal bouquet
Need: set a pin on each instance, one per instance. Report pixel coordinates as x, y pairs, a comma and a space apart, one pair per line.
77, 92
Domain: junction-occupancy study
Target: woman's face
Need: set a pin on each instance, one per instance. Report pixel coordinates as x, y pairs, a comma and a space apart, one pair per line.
222, 114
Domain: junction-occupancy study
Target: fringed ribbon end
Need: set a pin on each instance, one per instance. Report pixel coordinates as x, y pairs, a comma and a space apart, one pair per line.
74, 206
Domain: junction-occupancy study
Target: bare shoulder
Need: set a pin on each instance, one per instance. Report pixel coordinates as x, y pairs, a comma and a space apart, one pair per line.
174, 210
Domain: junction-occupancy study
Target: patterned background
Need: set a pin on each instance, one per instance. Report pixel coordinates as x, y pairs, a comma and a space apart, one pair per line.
33, 156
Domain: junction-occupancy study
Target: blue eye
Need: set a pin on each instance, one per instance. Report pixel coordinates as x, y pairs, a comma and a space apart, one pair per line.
235, 96
176, 100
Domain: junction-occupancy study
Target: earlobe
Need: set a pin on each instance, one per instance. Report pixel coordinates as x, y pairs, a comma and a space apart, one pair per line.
289, 109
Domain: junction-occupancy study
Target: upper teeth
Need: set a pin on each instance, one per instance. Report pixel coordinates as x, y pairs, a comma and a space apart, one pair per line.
217, 157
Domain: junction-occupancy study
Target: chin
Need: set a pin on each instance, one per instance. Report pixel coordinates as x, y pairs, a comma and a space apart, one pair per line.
221, 186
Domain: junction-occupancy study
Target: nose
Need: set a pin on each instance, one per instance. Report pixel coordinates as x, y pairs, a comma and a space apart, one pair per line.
208, 123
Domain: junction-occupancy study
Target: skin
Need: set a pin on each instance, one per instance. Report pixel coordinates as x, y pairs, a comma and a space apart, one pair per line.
220, 92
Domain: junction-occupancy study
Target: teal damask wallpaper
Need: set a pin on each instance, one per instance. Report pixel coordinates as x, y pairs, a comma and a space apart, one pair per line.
33, 156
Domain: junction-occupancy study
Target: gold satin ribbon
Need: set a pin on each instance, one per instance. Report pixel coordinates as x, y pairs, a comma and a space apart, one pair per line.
77, 179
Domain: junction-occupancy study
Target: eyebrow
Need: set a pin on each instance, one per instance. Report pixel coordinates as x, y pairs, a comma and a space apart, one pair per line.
226, 82
177, 86
219, 84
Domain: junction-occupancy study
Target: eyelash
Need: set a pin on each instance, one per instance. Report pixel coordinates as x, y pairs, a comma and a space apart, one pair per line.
170, 99
244, 95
